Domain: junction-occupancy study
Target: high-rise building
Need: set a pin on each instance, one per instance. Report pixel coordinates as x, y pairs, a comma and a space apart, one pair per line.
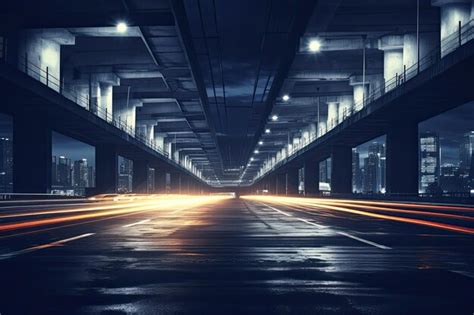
80, 174
125, 175
325, 175
90, 176
356, 172
63, 171
374, 169
429, 160
466, 150
6, 164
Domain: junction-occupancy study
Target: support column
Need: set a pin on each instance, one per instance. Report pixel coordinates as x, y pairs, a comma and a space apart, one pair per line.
361, 91
31, 152
402, 159
333, 115
292, 182
453, 13
271, 185
106, 160
311, 178
281, 184
392, 46
175, 183
140, 177
160, 181
341, 170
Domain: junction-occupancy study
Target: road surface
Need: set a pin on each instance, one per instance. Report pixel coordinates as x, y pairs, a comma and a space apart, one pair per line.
234, 256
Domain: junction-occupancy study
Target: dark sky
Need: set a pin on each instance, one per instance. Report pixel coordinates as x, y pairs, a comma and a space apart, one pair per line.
73, 149
450, 127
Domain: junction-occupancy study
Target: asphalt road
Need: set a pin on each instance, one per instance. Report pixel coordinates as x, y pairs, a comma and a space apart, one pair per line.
230, 256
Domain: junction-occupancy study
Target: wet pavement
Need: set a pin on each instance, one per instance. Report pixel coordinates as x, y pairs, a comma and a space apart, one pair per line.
234, 256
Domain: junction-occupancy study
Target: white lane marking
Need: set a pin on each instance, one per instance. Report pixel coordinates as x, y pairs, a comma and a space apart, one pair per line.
277, 210
311, 223
48, 245
137, 223
338, 232
363, 240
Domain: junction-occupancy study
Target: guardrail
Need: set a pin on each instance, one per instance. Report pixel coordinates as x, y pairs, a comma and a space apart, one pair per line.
69, 91
464, 34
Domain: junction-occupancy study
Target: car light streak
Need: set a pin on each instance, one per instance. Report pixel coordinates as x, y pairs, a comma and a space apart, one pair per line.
38, 247
347, 206
148, 204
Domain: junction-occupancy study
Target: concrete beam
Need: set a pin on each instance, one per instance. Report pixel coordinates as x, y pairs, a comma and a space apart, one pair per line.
32, 152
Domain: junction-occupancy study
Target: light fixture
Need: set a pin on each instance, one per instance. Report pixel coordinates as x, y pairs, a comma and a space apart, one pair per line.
267, 130
260, 142
256, 151
314, 45
274, 117
251, 159
286, 97
122, 27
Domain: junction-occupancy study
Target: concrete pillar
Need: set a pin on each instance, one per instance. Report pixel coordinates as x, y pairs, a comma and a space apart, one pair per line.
106, 160
341, 170
140, 177
360, 91
292, 182
281, 184
175, 183
311, 178
31, 152
272, 185
392, 46
402, 159
322, 126
453, 12
333, 115
428, 42
160, 181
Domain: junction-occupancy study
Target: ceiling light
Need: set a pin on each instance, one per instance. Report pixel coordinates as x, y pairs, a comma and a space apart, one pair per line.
314, 45
251, 159
256, 151
122, 27
260, 142
267, 130
274, 117
286, 97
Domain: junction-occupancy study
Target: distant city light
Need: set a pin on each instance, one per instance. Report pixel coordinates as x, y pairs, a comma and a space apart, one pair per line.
314, 45
267, 130
122, 27
286, 97
274, 117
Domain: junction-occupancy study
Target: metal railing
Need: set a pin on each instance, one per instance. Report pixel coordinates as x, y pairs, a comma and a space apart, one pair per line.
448, 45
90, 104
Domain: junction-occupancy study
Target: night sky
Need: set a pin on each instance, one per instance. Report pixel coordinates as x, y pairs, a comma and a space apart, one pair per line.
450, 127
73, 149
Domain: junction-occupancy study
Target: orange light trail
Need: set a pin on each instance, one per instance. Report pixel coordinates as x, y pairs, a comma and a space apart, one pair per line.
346, 205
150, 204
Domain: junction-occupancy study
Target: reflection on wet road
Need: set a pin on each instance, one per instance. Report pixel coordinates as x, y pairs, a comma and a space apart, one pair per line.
255, 255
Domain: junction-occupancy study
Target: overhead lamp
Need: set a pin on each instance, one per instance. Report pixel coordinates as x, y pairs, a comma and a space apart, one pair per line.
260, 142
274, 117
314, 45
122, 27
286, 97
251, 159
256, 151
267, 130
